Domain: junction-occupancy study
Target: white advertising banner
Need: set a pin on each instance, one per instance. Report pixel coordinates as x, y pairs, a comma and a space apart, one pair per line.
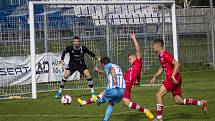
17, 69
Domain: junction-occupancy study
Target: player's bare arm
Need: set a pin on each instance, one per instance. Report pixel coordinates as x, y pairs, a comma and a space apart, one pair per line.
176, 67
158, 73
113, 74
99, 70
136, 44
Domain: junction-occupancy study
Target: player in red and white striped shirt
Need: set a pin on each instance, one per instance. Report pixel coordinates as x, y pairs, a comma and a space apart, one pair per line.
172, 82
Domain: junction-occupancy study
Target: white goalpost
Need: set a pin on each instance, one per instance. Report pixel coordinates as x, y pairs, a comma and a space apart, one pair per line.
33, 49
109, 47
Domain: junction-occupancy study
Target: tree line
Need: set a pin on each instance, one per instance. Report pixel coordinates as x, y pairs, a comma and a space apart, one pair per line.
188, 3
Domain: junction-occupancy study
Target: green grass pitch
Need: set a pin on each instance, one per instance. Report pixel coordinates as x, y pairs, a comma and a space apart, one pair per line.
198, 85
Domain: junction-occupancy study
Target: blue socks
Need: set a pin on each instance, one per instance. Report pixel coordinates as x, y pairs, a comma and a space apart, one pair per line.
108, 112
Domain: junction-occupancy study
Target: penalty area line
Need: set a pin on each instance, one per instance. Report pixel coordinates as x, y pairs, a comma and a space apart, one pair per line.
76, 115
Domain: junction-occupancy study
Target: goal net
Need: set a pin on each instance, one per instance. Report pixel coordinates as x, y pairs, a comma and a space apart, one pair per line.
103, 26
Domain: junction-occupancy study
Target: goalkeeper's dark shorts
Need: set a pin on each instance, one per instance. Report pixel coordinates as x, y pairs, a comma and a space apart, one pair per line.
76, 67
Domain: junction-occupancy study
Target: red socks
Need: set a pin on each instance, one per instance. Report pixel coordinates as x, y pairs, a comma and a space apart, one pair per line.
136, 106
192, 102
186, 102
89, 101
160, 111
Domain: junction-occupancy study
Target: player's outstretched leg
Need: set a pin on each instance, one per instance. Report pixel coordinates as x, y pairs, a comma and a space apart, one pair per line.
98, 100
202, 103
85, 102
88, 101
138, 107
108, 112
188, 101
59, 92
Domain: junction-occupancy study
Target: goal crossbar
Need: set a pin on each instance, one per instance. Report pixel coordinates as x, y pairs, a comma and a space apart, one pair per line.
99, 2
32, 26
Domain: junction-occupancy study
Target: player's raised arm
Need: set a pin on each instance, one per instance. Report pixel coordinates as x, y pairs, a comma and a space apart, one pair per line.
158, 73
136, 44
91, 53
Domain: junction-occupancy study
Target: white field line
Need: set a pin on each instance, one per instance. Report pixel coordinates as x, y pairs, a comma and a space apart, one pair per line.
54, 115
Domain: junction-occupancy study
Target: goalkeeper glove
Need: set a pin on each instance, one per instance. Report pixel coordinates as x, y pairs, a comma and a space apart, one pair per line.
60, 65
98, 58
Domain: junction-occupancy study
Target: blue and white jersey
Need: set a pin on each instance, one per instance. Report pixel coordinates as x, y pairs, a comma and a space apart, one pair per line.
118, 76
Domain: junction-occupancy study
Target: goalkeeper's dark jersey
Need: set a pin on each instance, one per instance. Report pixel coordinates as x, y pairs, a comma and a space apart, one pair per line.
76, 55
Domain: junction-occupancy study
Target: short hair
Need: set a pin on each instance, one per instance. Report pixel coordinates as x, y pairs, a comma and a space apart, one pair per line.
132, 55
105, 60
159, 41
76, 37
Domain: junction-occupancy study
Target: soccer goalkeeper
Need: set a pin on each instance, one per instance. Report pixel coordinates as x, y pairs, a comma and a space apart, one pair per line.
76, 62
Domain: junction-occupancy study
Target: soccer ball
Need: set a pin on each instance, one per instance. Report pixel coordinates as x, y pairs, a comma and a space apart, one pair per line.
66, 99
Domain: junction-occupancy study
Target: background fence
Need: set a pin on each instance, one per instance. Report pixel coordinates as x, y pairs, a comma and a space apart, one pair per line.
56, 26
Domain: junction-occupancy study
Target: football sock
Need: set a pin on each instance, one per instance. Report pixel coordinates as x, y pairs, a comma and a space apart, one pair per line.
136, 107
89, 101
192, 102
90, 84
160, 111
62, 85
60, 90
92, 90
108, 112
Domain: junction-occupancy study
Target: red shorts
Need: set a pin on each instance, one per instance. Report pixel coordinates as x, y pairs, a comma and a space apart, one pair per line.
127, 93
170, 86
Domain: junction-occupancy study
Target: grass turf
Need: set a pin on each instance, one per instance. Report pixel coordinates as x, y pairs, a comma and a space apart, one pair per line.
198, 85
